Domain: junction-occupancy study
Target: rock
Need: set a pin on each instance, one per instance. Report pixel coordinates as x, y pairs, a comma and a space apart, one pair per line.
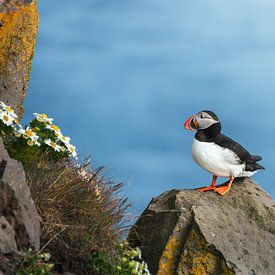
7, 237
18, 30
187, 232
17, 210
10, 262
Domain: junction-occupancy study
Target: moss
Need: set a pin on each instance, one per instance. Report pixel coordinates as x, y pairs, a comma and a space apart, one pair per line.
200, 258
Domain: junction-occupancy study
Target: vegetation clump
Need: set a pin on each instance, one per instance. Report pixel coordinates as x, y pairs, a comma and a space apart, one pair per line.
83, 213
35, 264
130, 262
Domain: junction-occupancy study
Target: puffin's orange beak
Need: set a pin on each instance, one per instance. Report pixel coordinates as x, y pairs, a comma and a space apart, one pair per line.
191, 124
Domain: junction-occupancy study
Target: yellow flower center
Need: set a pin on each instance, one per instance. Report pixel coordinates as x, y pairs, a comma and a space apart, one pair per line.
64, 138
44, 115
55, 127
29, 133
30, 143
9, 109
53, 144
71, 149
6, 118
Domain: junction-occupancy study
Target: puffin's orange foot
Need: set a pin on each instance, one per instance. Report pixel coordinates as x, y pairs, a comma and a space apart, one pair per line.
222, 189
207, 188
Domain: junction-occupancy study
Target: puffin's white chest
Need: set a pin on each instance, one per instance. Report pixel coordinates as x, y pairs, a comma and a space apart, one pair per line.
216, 159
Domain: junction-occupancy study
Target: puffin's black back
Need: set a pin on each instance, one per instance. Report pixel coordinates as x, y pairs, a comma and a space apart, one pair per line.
213, 134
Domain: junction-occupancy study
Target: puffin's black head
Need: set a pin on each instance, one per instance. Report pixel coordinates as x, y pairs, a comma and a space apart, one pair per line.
201, 121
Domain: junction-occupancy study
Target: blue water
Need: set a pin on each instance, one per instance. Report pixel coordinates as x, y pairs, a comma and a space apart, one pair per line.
120, 77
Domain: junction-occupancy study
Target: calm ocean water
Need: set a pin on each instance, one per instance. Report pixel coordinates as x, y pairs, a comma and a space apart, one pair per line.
120, 77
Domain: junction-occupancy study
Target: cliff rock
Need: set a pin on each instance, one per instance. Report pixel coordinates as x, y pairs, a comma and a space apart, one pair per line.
187, 232
18, 30
19, 220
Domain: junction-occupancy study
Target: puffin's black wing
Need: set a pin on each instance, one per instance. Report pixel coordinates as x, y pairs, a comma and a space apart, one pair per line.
243, 155
239, 150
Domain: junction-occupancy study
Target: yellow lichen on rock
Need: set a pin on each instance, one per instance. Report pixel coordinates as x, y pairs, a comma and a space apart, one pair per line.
200, 258
167, 260
18, 30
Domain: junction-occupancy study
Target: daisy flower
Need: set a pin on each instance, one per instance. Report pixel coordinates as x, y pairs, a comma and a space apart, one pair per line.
19, 131
43, 118
55, 129
65, 140
8, 109
30, 134
6, 118
53, 145
62, 149
30, 142
37, 143
72, 150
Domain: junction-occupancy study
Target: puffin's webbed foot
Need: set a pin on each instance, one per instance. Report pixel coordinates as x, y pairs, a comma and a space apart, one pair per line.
224, 188
204, 189
208, 188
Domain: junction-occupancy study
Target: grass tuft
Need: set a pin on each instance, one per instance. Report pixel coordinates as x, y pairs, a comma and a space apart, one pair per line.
82, 213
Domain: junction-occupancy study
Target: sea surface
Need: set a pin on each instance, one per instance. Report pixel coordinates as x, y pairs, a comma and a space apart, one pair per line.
121, 77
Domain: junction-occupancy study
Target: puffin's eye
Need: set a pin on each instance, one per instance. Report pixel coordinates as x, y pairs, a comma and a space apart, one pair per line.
201, 116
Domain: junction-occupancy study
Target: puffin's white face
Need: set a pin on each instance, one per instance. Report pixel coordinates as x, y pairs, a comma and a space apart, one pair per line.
200, 121
204, 120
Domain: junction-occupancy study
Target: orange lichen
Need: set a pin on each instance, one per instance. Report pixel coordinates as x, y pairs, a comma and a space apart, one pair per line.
18, 30
167, 260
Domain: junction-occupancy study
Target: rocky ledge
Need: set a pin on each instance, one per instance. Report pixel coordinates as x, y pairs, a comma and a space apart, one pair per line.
186, 232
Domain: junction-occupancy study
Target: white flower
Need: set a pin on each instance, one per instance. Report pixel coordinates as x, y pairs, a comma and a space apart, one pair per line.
30, 142
72, 150
55, 129
65, 140
30, 134
45, 256
37, 143
53, 145
43, 118
8, 109
6, 118
19, 131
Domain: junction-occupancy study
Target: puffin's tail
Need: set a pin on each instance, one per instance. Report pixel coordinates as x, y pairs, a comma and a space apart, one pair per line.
252, 165
255, 158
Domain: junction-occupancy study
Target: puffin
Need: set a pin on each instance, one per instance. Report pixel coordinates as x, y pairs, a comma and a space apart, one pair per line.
219, 154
